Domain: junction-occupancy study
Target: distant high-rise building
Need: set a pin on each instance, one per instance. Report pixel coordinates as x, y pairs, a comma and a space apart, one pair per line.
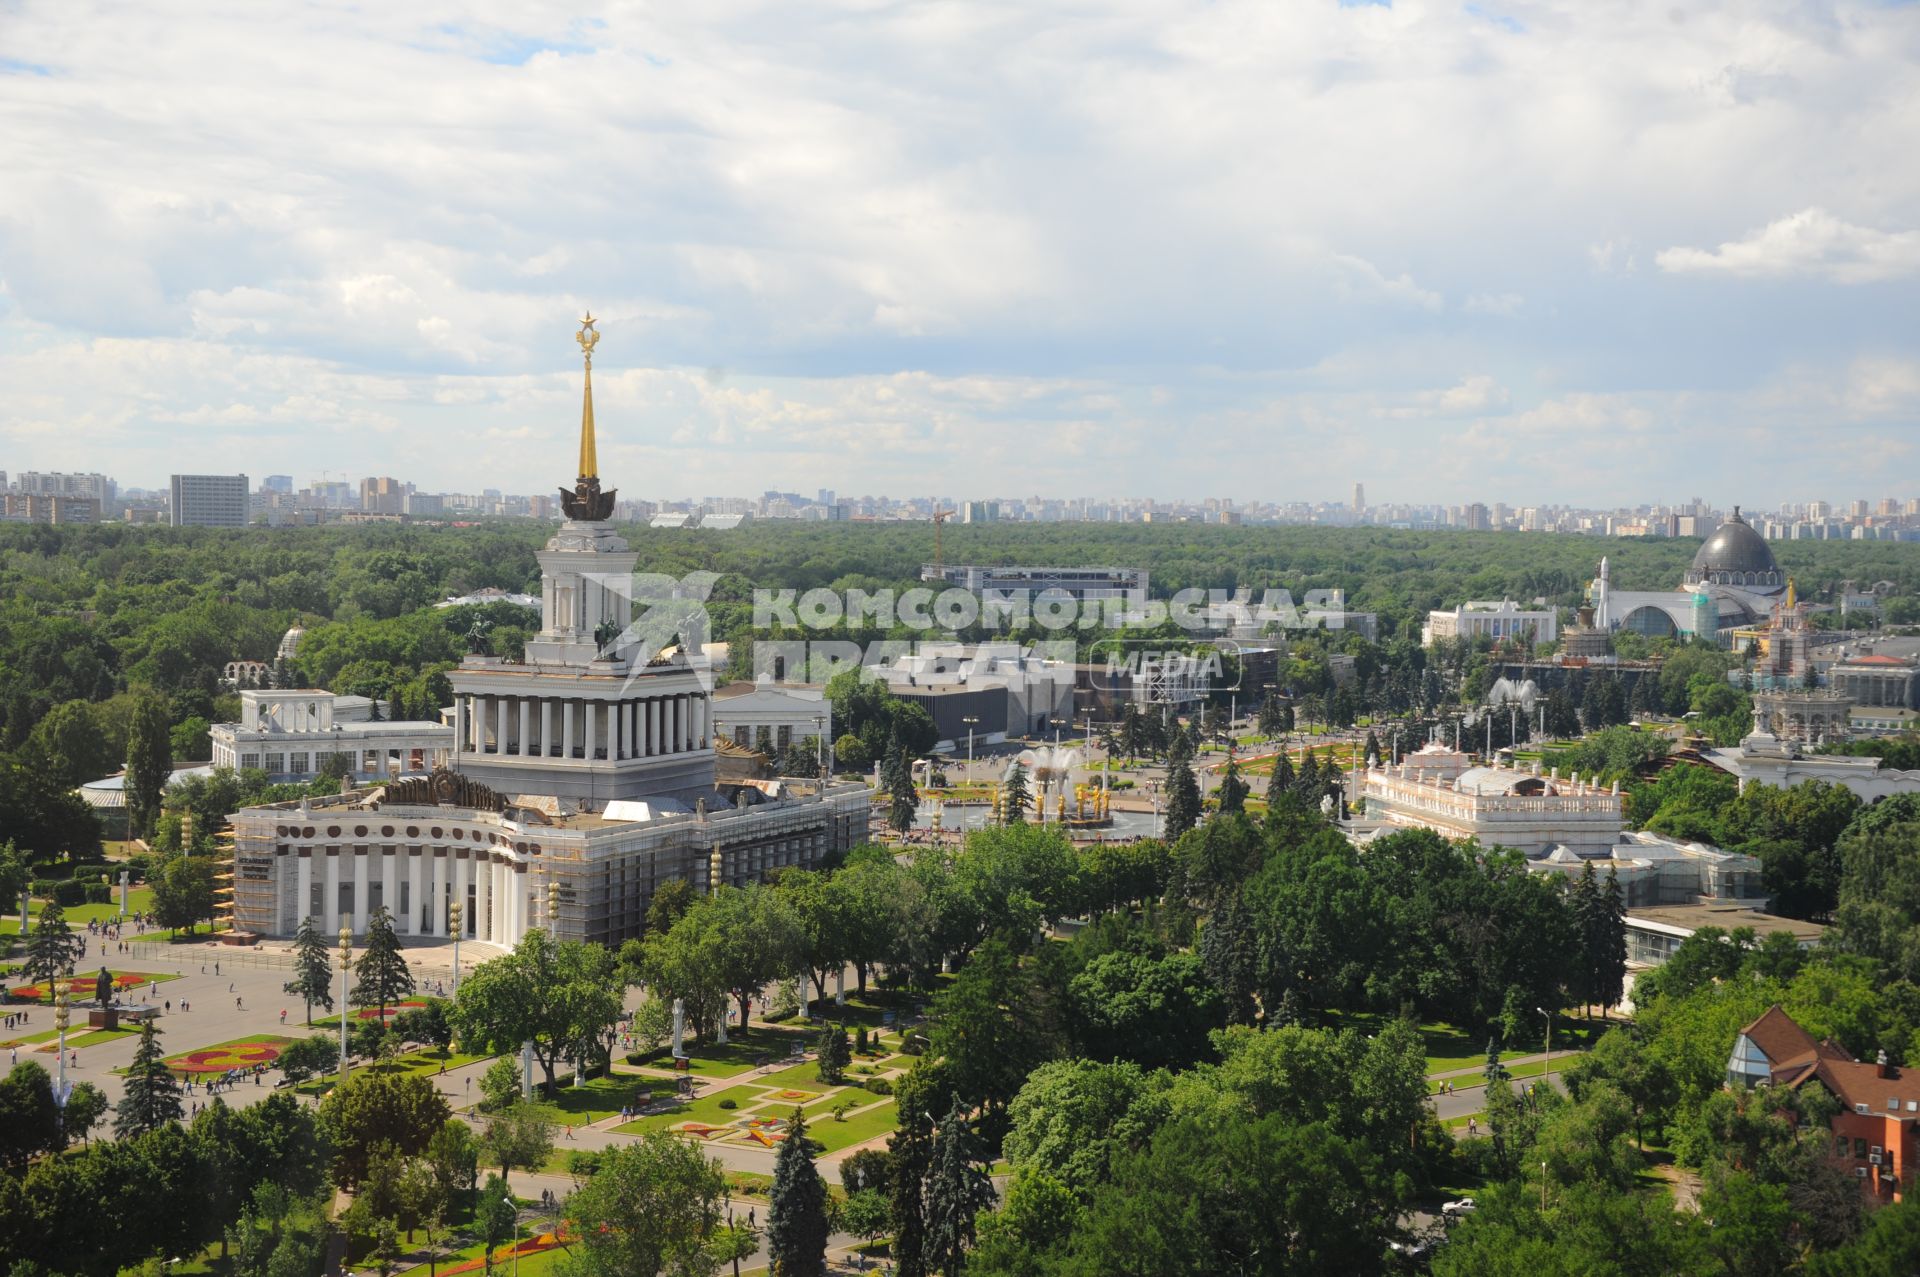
1475, 518
1359, 498
980, 512
384, 495
824, 496
210, 501
281, 483
40, 507
57, 484
1857, 509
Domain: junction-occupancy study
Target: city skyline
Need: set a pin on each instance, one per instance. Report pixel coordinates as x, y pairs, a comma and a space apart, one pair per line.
1569, 255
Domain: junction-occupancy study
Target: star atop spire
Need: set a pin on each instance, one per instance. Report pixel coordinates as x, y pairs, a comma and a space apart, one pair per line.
585, 501
588, 339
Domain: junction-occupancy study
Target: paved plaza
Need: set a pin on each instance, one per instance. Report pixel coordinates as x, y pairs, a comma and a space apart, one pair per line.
223, 993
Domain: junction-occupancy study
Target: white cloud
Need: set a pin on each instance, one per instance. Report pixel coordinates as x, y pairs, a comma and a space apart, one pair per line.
1473, 395
1364, 279
1812, 242
971, 232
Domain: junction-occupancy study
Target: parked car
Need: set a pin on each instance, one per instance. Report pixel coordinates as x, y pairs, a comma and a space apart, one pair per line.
1453, 1210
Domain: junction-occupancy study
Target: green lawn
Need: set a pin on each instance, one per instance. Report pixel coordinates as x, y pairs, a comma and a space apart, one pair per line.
857, 1129
598, 1098
706, 1111
821, 1127
422, 1063
795, 1077
414, 1004
139, 900
1446, 1047
94, 1037
45, 1035
738, 1056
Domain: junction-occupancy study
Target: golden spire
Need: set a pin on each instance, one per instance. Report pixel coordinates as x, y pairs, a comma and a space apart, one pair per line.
589, 462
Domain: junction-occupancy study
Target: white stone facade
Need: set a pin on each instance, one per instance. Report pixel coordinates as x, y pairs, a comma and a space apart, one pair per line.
744, 711
1442, 790
289, 734
1501, 619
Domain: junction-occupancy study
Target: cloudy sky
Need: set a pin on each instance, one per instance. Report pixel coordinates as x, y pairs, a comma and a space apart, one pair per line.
1566, 251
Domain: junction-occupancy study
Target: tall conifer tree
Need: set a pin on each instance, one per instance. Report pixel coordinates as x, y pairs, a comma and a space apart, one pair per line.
381, 977
152, 1097
313, 969
797, 1213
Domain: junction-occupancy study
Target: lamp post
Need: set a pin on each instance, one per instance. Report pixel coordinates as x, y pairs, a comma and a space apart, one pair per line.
553, 932
60, 1013
970, 725
455, 924
346, 960
1548, 1017
820, 741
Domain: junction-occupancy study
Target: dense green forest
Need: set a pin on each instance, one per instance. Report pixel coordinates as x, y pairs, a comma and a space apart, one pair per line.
98, 622
89, 612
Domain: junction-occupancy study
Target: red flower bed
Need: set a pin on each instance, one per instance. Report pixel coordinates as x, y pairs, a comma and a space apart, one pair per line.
373, 1013
532, 1246
80, 986
219, 1059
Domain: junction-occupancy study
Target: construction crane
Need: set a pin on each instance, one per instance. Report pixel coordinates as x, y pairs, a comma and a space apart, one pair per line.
940, 518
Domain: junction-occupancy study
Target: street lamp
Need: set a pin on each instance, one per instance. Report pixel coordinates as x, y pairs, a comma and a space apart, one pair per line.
970, 722
455, 924
1548, 1017
346, 959
60, 1023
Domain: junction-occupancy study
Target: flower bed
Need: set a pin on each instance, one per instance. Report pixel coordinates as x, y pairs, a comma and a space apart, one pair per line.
532, 1246
79, 986
373, 1013
228, 1055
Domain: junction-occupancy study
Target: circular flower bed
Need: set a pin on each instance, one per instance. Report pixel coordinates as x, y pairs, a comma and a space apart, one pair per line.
219, 1059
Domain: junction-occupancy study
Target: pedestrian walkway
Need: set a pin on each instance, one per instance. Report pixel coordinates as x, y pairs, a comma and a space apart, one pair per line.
1508, 1060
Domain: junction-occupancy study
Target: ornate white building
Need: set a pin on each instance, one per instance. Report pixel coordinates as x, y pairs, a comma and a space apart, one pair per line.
290, 734
1444, 790
580, 779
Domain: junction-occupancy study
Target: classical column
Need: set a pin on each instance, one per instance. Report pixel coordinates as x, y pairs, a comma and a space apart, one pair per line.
546, 725
483, 898
526, 727
651, 708
416, 859
500, 745
304, 907
701, 709
617, 737
437, 894
593, 713
670, 713
459, 723
359, 891
390, 886
566, 728
330, 899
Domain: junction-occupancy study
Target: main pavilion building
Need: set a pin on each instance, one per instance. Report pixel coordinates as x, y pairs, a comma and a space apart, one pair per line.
582, 777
